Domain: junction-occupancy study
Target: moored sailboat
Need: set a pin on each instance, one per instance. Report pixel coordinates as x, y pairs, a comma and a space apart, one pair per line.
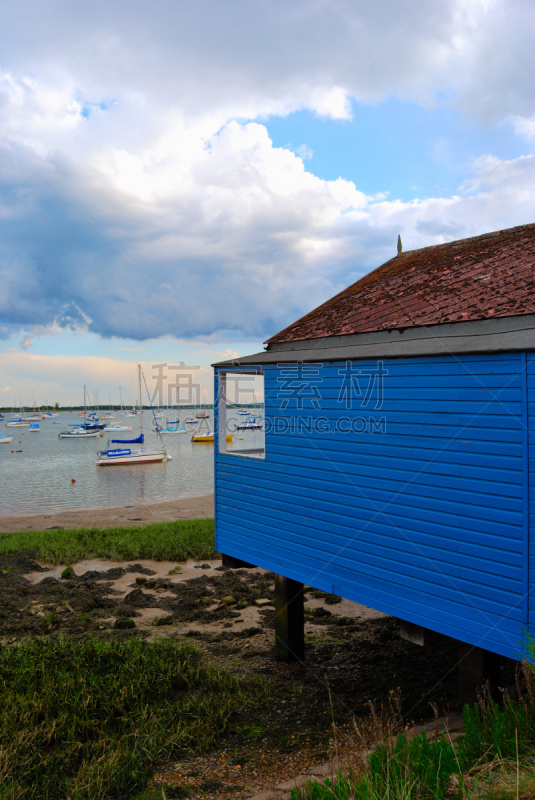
81, 430
251, 424
115, 428
208, 437
132, 455
78, 433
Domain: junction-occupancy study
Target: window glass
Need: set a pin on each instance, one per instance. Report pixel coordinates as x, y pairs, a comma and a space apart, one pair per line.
241, 414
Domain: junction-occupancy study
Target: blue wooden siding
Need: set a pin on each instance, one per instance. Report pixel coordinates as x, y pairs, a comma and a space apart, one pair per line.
427, 520
530, 438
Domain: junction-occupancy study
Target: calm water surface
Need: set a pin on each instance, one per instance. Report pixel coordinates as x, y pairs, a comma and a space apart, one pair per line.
39, 479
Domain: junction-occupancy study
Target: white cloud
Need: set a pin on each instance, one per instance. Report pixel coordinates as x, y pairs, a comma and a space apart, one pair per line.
256, 57
223, 232
523, 126
163, 213
304, 152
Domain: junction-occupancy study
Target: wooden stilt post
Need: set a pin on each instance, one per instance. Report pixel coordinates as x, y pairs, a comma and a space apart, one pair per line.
476, 667
289, 620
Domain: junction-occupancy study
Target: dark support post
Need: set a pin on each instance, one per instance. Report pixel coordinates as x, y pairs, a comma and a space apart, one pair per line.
418, 635
235, 563
476, 667
289, 620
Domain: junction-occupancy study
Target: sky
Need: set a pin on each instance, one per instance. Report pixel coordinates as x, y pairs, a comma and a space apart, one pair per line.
180, 180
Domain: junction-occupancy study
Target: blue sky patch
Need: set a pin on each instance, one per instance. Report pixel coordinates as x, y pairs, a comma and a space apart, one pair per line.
395, 146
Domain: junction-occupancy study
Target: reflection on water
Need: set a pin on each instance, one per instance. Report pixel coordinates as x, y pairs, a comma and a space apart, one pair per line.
39, 479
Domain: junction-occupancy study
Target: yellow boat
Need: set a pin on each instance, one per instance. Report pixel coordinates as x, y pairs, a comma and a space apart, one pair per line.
208, 437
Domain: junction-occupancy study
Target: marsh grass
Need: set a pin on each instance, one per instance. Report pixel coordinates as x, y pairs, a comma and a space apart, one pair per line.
505, 731
162, 541
494, 759
87, 719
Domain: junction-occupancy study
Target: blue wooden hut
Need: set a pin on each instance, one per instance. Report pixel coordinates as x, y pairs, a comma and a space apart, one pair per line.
399, 426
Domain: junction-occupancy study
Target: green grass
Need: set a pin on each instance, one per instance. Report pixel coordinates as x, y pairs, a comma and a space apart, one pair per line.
493, 759
416, 769
84, 720
163, 541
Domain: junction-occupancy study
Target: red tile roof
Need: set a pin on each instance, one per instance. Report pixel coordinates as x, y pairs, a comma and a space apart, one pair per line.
485, 276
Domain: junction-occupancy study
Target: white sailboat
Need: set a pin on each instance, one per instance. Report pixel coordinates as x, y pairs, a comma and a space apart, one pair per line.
132, 455
116, 428
19, 420
81, 432
251, 424
173, 426
5, 439
78, 433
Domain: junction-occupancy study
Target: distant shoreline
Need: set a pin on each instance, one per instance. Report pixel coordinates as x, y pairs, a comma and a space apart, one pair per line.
121, 516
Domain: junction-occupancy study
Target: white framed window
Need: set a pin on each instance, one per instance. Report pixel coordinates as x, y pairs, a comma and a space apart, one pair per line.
241, 422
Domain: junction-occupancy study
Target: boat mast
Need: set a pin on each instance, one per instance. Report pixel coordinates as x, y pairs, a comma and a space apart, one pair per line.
140, 406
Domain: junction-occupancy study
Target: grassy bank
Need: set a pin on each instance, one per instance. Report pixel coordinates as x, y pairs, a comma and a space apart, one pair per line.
163, 541
87, 719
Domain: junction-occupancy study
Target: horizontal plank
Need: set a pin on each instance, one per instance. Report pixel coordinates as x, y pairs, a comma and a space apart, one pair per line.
325, 378
353, 471
441, 365
396, 506
340, 393
416, 578
323, 404
472, 494
335, 493
392, 550
304, 517
430, 446
451, 432
383, 446
462, 422
324, 535
345, 459
356, 522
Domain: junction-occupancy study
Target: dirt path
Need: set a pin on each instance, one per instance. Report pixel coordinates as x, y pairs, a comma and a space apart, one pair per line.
186, 508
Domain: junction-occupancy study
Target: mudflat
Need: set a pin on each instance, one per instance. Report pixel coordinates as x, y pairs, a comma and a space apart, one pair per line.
185, 508
353, 654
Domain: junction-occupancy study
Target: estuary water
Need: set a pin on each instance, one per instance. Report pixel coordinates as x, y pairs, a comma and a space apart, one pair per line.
38, 479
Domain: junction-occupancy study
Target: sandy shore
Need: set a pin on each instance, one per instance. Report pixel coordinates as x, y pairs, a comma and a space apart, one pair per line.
186, 508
